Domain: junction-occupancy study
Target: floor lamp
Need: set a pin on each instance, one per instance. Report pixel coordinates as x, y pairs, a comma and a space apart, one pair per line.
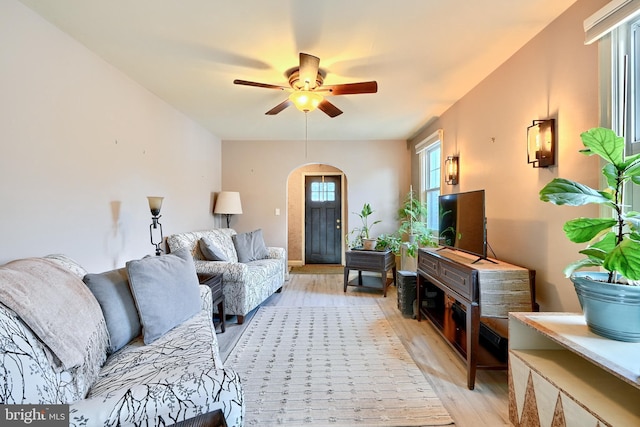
228, 204
155, 204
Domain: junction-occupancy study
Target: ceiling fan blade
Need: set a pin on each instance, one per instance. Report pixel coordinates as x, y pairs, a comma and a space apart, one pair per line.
329, 109
352, 88
309, 65
255, 84
275, 110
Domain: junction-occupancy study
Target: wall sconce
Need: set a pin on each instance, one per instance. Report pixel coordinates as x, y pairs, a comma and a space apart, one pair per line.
228, 204
155, 204
451, 170
541, 143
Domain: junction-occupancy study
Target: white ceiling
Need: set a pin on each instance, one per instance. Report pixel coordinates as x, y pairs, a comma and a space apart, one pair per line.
424, 54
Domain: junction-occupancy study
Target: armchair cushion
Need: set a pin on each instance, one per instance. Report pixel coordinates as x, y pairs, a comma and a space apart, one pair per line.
250, 246
112, 291
164, 304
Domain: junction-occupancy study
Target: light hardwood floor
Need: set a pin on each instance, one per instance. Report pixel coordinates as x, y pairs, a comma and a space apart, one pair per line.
486, 406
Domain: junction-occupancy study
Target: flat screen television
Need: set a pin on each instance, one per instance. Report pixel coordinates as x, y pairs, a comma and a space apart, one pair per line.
462, 222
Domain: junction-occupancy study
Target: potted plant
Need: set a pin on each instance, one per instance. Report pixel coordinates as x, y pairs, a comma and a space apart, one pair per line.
360, 237
610, 299
411, 214
389, 241
412, 232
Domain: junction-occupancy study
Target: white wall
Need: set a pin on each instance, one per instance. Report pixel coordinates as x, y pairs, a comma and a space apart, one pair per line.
552, 76
376, 172
82, 147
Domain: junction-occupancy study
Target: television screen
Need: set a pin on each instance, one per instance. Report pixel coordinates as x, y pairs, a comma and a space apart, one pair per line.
462, 222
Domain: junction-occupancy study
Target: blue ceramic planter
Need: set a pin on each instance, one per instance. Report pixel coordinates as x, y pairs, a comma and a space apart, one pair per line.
610, 310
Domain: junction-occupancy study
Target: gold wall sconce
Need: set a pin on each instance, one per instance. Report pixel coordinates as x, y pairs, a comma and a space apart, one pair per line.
451, 170
541, 143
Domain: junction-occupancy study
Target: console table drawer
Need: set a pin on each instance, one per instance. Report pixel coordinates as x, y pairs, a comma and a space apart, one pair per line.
367, 260
428, 265
457, 279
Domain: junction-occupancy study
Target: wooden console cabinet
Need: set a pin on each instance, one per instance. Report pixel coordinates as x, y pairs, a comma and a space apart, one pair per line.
468, 301
561, 374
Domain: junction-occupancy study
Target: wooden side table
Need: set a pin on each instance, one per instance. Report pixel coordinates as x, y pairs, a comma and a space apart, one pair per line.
378, 261
214, 281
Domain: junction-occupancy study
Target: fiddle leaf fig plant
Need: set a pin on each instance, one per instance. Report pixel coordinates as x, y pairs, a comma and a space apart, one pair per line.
614, 240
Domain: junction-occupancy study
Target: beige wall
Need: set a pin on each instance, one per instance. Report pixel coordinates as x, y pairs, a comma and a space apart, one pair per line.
376, 172
554, 75
82, 147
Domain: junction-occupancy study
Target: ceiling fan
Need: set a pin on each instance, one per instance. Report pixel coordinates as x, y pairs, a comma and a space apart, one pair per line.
307, 90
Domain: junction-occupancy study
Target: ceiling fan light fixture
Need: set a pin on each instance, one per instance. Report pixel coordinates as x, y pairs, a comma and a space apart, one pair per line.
305, 100
305, 81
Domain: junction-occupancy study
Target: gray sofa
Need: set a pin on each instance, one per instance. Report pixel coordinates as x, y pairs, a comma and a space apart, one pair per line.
248, 279
172, 375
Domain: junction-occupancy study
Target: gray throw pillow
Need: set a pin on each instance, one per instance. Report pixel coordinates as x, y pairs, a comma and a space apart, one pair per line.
250, 246
211, 251
165, 289
111, 289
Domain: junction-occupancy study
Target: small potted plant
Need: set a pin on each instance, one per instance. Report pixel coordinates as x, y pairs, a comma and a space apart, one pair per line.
390, 242
360, 237
610, 299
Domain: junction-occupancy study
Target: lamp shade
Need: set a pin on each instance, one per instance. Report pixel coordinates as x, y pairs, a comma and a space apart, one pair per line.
155, 204
305, 100
228, 203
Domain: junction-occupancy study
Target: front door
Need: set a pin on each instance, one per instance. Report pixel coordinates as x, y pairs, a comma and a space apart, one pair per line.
323, 220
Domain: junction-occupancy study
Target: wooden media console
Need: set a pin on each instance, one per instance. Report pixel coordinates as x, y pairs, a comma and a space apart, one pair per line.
469, 300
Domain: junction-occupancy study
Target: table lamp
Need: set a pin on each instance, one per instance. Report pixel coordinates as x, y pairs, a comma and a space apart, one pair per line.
228, 204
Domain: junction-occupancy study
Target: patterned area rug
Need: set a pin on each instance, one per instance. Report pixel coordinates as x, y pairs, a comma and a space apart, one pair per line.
331, 366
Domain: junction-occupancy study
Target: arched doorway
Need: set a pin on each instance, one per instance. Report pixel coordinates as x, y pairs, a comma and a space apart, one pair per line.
315, 212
